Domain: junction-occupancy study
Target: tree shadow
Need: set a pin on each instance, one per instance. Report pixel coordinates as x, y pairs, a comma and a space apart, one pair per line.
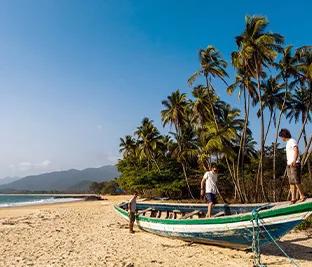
295, 251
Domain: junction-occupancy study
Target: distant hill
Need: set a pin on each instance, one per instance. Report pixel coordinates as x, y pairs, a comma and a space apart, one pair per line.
7, 180
66, 181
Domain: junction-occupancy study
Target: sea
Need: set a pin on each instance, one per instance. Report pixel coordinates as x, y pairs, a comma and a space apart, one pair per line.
7, 201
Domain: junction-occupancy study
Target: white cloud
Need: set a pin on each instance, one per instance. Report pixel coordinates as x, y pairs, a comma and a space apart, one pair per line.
45, 163
25, 166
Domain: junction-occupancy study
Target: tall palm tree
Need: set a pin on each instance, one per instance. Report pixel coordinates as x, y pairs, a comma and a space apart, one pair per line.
258, 49
201, 106
305, 68
175, 113
244, 83
212, 65
273, 96
148, 140
287, 66
299, 108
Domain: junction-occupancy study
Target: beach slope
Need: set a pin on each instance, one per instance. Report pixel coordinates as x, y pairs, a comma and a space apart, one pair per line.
93, 234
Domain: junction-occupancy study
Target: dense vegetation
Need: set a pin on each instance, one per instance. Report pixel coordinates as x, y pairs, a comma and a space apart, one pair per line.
206, 129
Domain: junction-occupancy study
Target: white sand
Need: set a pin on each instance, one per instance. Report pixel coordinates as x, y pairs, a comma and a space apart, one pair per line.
93, 234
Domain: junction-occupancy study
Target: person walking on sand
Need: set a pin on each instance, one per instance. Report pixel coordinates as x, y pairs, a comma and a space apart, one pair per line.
210, 178
131, 211
293, 166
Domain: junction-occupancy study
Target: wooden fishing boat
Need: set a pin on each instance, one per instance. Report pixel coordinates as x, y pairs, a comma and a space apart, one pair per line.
230, 226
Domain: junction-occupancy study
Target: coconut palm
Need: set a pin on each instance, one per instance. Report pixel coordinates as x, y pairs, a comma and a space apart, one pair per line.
258, 50
287, 66
148, 141
127, 146
243, 83
201, 106
272, 98
299, 109
176, 113
212, 65
220, 139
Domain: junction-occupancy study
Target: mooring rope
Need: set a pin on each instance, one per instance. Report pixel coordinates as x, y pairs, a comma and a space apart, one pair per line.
256, 238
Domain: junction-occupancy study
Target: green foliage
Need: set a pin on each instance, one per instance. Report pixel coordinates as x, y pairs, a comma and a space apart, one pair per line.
110, 187
151, 183
206, 129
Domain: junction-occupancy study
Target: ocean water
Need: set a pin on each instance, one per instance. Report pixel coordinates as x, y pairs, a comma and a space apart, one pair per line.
29, 200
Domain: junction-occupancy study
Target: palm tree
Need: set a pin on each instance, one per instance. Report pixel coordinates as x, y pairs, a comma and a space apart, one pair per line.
272, 98
305, 68
258, 50
299, 108
244, 83
201, 106
175, 113
148, 140
127, 146
212, 65
220, 139
287, 66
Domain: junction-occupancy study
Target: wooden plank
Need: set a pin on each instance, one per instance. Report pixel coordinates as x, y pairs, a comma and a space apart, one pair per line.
144, 211
221, 213
190, 214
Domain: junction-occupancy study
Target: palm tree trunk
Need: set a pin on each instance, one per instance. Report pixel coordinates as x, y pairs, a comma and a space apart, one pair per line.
260, 169
269, 125
305, 156
307, 113
306, 145
186, 180
241, 152
276, 137
217, 127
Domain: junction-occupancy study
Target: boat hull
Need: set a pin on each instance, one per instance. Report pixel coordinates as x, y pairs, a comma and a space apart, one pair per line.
234, 231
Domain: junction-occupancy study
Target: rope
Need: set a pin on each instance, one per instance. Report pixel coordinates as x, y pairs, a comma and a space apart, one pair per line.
256, 239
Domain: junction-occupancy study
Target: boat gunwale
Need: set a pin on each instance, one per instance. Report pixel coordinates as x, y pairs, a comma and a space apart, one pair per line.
247, 216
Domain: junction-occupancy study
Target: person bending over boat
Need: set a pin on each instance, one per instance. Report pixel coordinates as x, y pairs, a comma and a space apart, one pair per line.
210, 178
293, 166
131, 211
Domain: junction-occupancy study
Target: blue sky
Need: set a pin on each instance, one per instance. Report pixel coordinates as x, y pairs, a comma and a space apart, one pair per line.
75, 76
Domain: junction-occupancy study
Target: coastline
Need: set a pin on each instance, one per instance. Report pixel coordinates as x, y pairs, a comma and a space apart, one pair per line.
91, 233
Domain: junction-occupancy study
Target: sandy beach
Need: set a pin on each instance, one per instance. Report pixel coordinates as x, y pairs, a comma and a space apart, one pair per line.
93, 234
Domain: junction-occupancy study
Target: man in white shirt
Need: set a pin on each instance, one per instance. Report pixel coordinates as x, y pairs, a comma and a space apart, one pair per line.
131, 211
210, 178
293, 166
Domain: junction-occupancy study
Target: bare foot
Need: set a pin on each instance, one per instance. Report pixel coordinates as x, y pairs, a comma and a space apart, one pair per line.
302, 199
292, 202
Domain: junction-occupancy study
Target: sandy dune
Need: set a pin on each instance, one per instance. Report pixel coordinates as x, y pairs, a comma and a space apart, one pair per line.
93, 234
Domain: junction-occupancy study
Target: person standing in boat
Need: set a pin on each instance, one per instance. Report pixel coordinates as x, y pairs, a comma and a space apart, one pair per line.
210, 178
293, 166
131, 211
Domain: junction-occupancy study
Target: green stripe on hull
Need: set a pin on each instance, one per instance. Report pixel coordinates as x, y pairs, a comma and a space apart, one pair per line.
285, 210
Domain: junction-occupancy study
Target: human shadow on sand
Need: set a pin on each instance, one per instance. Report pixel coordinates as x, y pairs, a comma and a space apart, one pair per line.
294, 251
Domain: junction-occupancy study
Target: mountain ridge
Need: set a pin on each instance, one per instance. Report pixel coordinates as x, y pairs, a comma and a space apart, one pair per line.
62, 180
